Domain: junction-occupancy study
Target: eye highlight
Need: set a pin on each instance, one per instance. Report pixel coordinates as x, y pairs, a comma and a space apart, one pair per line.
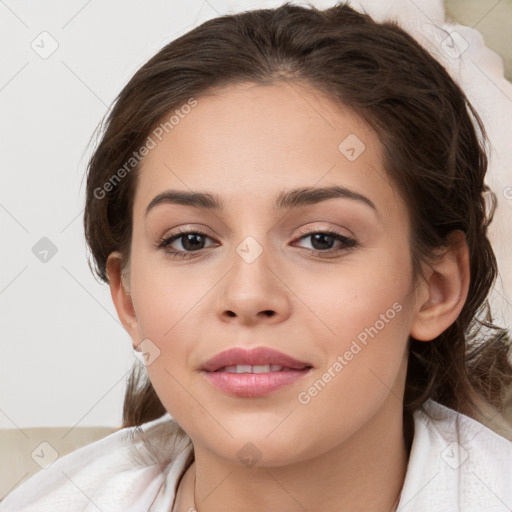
191, 239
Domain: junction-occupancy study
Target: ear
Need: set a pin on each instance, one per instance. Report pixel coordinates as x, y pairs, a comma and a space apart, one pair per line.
121, 296
445, 289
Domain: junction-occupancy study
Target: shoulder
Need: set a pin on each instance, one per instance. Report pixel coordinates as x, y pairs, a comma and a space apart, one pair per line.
456, 463
124, 471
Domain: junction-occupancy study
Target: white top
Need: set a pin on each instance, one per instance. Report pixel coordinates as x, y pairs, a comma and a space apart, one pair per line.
455, 464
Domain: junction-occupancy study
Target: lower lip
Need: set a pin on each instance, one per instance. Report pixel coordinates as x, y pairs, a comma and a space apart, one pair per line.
253, 384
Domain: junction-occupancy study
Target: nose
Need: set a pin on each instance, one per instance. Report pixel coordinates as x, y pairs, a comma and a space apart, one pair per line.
254, 292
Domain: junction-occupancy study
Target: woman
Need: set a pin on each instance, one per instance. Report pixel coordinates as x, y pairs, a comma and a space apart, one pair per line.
289, 208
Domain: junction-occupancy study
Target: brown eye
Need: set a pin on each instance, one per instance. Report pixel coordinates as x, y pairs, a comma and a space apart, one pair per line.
323, 241
190, 242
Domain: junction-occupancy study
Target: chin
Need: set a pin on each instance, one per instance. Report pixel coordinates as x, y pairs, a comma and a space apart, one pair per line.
254, 446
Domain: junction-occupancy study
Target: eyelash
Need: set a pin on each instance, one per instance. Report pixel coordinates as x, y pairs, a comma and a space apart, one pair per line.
348, 243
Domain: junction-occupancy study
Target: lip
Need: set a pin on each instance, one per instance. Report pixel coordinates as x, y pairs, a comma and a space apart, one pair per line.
253, 384
254, 357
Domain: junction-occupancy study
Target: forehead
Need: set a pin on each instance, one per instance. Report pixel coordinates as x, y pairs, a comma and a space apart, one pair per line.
247, 141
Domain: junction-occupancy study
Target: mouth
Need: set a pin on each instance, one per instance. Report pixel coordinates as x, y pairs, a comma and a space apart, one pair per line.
254, 360
262, 368
253, 372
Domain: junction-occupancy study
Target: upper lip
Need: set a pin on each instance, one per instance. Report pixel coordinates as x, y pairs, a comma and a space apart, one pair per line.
254, 357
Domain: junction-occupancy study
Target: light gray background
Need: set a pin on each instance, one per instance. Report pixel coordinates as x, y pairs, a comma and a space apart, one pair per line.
64, 354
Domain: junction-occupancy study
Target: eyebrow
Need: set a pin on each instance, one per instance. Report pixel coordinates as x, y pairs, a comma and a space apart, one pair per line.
292, 198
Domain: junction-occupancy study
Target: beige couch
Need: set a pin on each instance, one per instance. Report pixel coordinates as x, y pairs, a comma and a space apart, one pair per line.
25, 452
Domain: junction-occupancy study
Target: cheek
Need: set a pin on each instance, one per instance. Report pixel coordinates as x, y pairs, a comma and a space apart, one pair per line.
167, 316
346, 301
363, 333
166, 299
361, 325
171, 306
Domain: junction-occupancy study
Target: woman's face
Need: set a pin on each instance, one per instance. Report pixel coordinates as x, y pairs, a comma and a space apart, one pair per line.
269, 274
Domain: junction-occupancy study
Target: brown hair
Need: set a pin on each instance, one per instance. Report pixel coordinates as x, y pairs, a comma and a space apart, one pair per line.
435, 152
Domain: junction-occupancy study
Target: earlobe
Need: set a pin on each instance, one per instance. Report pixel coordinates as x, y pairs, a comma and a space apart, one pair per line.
121, 294
447, 288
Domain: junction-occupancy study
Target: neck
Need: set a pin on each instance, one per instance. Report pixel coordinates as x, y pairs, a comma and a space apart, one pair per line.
366, 472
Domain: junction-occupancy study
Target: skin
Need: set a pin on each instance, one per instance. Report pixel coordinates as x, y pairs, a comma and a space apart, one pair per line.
344, 450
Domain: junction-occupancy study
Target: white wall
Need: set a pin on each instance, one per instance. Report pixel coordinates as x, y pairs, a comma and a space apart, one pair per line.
64, 355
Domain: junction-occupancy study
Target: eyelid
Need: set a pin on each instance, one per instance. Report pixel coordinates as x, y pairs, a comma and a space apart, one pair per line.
348, 242
322, 229
175, 235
